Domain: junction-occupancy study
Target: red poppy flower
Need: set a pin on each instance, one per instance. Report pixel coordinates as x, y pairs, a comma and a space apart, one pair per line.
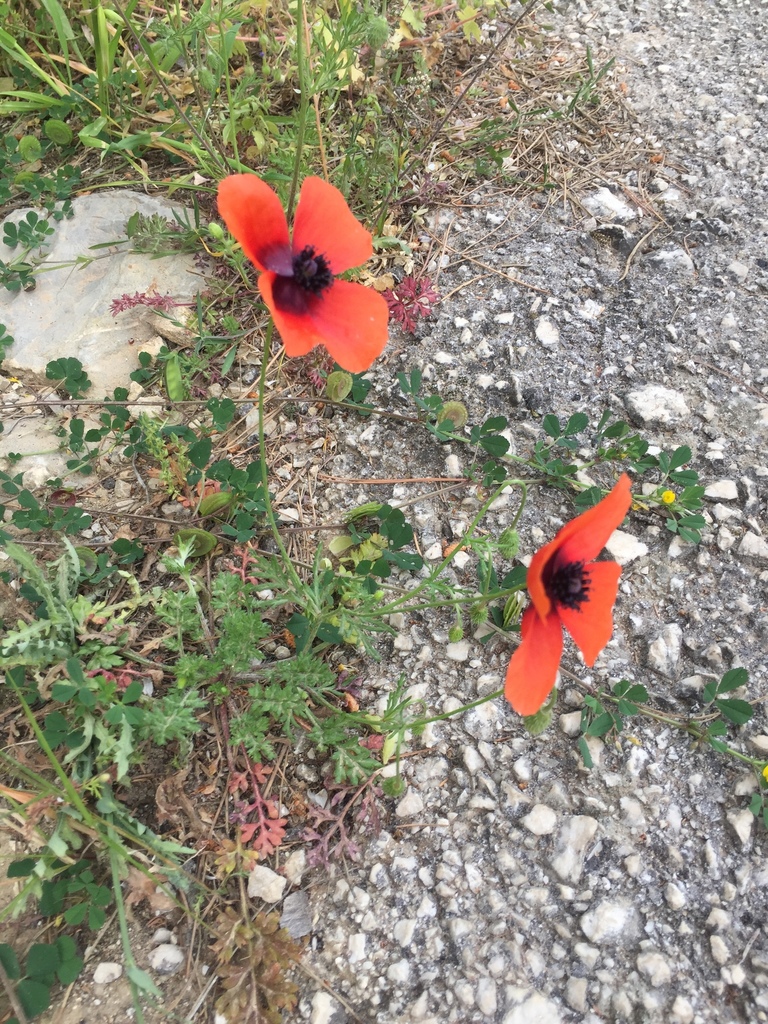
309, 307
567, 589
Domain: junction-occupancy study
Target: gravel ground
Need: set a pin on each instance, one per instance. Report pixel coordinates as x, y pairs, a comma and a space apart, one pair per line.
512, 885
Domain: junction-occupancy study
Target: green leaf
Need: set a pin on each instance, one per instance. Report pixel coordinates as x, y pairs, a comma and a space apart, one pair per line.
494, 424
222, 411
200, 453
75, 915
495, 445
756, 803
601, 725
576, 423
9, 960
96, 918
680, 456
551, 426
70, 969
42, 961
732, 680
584, 751
736, 711
63, 692
21, 869
142, 981
34, 996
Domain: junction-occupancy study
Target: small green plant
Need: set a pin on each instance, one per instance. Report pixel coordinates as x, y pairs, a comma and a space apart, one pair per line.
29, 991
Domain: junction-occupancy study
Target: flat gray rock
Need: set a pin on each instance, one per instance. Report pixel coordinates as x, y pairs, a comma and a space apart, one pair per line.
68, 312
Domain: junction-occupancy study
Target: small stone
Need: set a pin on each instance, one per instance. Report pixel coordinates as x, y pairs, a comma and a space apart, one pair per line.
725, 539
664, 651
633, 865
722, 490
738, 270
673, 259
504, 318
718, 919
404, 930
682, 1011
529, 1007
265, 884
753, 546
464, 993
458, 651
486, 997
655, 968
576, 994
166, 959
411, 804
295, 865
609, 923
399, 971
459, 928
325, 1010
654, 405
632, 809
570, 723
741, 823
296, 917
674, 896
547, 332
161, 935
540, 820
760, 743
624, 548
106, 973
604, 204
356, 947
472, 760
574, 838
720, 952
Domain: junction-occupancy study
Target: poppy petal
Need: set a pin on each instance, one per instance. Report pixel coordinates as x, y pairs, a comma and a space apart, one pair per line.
351, 321
254, 215
296, 330
324, 221
591, 626
581, 540
533, 667
584, 538
534, 578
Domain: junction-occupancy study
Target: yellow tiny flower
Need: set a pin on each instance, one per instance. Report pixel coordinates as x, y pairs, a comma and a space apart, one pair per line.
668, 497
765, 773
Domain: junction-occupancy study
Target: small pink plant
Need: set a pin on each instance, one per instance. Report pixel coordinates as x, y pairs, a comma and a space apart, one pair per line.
161, 302
410, 300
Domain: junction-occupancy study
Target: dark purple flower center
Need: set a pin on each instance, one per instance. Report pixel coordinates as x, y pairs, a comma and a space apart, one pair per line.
310, 278
566, 584
312, 271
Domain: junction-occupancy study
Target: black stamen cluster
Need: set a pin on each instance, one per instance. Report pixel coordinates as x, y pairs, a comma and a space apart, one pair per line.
568, 585
311, 271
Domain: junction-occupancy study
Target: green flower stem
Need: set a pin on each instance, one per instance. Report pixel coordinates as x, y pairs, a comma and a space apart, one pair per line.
419, 723
270, 512
115, 863
303, 105
398, 602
